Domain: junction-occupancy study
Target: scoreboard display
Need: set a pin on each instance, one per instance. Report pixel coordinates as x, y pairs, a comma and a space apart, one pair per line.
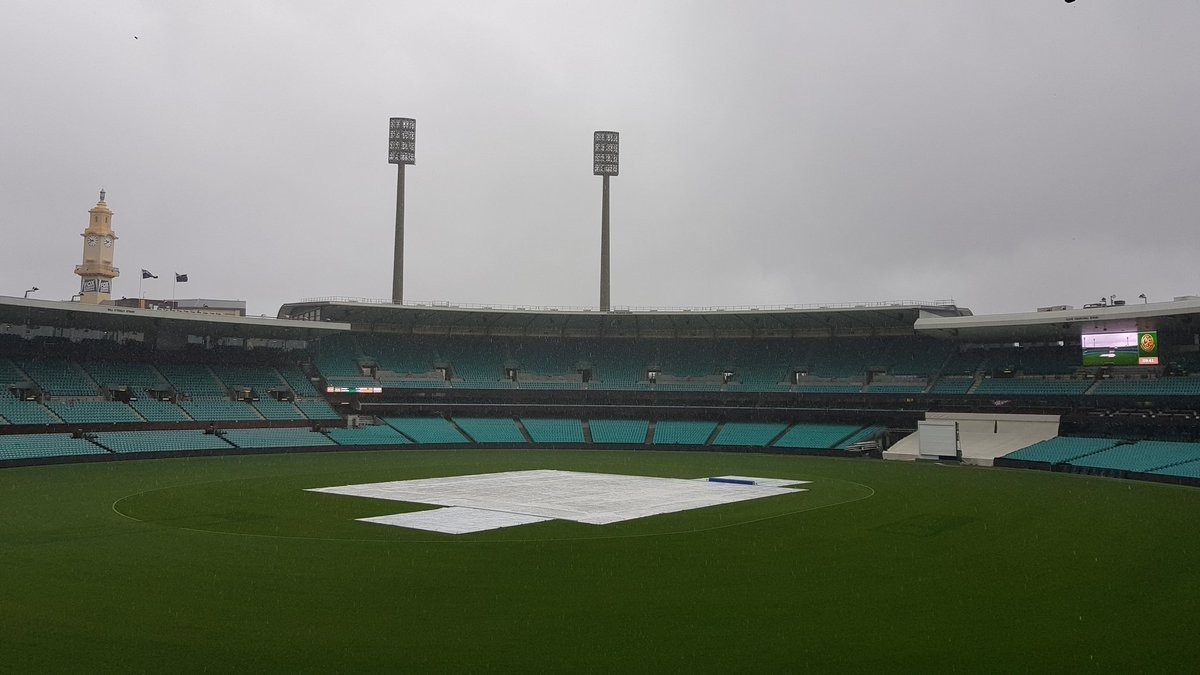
1120, 349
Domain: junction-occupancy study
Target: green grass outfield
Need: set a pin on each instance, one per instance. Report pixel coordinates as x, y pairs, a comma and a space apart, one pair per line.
225, 563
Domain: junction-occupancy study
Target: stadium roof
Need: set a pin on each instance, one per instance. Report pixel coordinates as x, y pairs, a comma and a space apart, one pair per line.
1181, 316
73, 315
776, 321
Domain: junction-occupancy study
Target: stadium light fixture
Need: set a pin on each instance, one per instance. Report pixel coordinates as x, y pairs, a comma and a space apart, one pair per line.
606, 161
35, 288
402, 150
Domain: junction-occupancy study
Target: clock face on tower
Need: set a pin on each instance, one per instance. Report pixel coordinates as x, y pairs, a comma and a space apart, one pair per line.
91, 240
108, 242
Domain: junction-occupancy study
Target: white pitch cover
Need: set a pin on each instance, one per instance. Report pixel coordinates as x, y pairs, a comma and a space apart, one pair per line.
455, 520
593, 498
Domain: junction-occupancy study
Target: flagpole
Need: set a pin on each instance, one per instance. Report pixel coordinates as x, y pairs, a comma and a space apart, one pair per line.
176, 277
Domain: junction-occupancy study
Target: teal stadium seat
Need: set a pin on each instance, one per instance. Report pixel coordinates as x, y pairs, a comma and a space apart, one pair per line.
26, 412
193, 379
298, 382
748, 434
627, 432
261, 379
1032, 387
1184, 470
318, 410
38, 446
94, 412
116, 374
271, 409
491, 429
220, 410
276, 438
1161, 386
866, 434
124, 442
380, 434
952, 385
682, 432
159, 411
1143, 456
554, 430
427, 430
1061, 449
59, 377
896, 388
811, 387
816, 436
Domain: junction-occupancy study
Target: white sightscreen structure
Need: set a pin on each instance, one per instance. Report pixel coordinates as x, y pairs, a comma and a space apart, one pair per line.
938, 438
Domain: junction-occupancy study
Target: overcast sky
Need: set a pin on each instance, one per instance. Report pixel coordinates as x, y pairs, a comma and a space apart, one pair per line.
1007, 155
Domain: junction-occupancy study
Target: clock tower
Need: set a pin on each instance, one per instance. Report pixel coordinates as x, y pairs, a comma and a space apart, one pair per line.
97, 271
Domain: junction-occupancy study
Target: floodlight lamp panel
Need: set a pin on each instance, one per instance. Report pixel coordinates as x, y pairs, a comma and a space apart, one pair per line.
606, 153
402, 140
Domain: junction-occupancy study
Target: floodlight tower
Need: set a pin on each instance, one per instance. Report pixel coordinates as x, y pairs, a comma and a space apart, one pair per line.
402, 149
606, 147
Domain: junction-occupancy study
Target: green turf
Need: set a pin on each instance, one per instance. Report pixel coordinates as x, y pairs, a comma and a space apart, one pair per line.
226, 563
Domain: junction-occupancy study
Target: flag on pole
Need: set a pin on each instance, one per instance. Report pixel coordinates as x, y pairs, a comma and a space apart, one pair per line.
146, 274
180, 277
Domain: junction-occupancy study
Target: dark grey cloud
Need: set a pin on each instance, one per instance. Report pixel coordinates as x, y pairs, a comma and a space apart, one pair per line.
1007, 155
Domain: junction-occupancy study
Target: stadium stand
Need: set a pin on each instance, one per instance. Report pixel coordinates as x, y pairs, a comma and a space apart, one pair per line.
808, 386
261, 379
1032, 387
554, 430
816, 436
10, 374
954, 384
491, 430
117, 374
426, 430
193, 379
1159, 386
895, 388
219, 410
318, 409
298, 382
25, 412
866, 434
963, 363
1183, 470
271, 409
276, 438
542, 359
628, 432
159, 411
509, 365
60, 377
1142, 456
919, 357
339, 359
1061, 449
74, 411
748, 434
380, 434
34, 446
413, 355
682, 432
124, 442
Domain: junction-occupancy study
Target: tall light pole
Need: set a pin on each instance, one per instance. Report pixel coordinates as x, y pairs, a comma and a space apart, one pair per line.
402, 149
606, 155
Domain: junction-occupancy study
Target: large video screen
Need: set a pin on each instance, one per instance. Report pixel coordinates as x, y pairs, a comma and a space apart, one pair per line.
1120, 349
